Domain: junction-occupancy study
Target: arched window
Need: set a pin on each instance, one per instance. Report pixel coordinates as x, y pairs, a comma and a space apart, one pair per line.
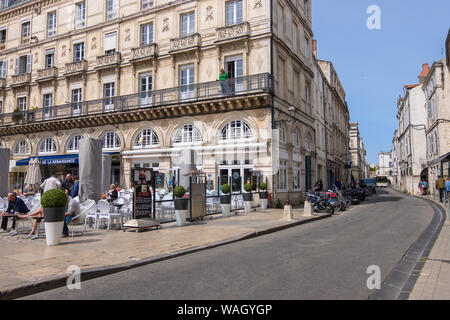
110, 141
236, 130
74, 143
47, 145
187, 134
21, 147
147, 138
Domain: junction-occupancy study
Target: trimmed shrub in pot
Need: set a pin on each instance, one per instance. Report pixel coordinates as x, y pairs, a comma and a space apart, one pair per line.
181, 205
54, 203
225, 200
248, 199
263, 195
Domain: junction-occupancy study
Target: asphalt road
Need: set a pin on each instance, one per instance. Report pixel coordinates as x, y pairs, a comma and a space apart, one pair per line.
326, 259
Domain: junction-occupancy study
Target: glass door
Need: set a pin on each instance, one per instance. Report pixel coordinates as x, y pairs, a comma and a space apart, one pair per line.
76, 101
235, 70
146, 89
47, 106
186, 82
108, 94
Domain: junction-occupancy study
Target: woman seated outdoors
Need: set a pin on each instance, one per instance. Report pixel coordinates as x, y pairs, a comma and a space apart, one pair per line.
112, 193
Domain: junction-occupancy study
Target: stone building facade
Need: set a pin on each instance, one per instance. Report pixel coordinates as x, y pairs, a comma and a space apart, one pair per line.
143, 75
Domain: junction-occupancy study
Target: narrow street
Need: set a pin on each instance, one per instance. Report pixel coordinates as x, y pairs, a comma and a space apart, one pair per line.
326, 259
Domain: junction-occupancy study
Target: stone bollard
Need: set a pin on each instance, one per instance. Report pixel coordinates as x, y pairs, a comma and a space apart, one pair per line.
288, 214
308, 210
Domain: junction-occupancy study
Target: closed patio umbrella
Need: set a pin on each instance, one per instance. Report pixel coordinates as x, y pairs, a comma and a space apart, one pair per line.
4, 171
33, 177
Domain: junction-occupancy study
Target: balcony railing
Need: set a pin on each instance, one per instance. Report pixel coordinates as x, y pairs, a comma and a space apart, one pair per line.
21, 79
48, 73
185, 43
235, 87
108, 60
76, 67
233, 32
144, 52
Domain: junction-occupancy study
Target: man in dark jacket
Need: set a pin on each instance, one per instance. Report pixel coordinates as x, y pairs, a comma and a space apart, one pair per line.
75, 188
67, 184
15, 204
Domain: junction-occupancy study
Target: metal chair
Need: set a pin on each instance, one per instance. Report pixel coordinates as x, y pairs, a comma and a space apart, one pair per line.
105, 213
91, 214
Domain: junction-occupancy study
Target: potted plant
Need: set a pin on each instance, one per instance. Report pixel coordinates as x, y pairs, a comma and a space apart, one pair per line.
248, 199
225, 200
263, 195
54, 203
17, 115
181, 205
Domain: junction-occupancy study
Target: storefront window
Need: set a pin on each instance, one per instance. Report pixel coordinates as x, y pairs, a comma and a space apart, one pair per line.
282, 176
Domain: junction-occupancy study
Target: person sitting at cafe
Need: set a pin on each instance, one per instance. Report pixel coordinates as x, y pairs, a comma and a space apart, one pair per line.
15, 204
67, 184
73, 209
39, 214
75, 188
112, 193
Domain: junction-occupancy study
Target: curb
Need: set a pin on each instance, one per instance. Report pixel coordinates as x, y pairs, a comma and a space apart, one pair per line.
400, 282
88, 274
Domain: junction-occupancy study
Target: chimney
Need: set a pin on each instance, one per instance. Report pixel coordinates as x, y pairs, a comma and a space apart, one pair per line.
314, 48
424, 73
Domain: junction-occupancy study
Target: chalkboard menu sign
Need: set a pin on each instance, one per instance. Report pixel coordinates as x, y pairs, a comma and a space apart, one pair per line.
142, 183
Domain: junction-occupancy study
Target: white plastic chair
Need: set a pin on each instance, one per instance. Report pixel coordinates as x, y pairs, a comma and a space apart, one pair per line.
91, 214
105, 213
85, 208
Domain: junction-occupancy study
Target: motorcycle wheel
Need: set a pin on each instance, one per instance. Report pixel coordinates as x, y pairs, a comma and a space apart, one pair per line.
330, 209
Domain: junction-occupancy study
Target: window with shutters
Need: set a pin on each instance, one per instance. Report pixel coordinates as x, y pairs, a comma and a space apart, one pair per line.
51, 24
111, 9
110, 43
3, 69
147, 34
80, 15
23, 64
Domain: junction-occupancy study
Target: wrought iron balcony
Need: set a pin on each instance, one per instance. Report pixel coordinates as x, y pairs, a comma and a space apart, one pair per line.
145, 52
233, 32
185, 43
47, 74
108, 60
21, 79
76, 67
124, 108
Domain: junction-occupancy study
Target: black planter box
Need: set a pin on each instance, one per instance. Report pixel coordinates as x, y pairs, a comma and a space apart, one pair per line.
263, 195
181, 204
54, 214
248, 196
225, 199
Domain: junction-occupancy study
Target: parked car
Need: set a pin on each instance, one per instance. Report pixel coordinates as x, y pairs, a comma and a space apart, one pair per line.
370, 183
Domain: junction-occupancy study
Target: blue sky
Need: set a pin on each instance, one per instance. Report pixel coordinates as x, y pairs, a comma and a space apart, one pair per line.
374, 65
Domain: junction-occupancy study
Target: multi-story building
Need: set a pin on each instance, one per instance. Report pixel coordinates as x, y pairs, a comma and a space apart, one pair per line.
411, 152
336, 123
358, 153
385, 164
143, 77
435, 87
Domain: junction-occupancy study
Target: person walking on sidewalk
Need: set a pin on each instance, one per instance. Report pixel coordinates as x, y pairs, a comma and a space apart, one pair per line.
440, 187
424, 187
420, 187
447, 188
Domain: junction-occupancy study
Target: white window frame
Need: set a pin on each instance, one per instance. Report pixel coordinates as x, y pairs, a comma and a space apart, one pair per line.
110, 136
112, 49
240, 131
187, 134
80, 15
111, 9
146, 139
47, 146
49, 52
21, 148
4, 69
76, 45
148, 39
22, 99
297, 176
145, 4
109, 101
190, 24
236, 18
22, 28
283, 176
51, 29
75, 142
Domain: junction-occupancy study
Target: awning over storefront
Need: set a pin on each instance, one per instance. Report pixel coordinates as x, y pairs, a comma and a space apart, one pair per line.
444, 158
49, 160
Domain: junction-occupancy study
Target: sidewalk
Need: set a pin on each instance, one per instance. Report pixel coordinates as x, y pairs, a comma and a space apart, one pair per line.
26, 263
434, 279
